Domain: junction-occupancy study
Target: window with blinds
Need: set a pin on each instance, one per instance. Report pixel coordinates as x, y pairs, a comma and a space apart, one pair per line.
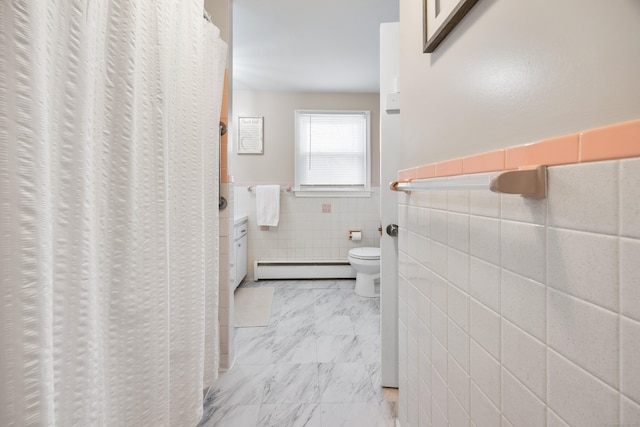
332, 151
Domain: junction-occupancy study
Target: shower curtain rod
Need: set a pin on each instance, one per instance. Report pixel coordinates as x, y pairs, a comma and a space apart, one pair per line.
526, 182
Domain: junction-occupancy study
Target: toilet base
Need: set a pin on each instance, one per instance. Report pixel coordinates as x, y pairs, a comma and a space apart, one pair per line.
365, 285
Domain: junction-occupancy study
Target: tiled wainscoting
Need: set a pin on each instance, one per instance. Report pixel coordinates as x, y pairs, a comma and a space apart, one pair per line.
310, 228
520, 312
227, 279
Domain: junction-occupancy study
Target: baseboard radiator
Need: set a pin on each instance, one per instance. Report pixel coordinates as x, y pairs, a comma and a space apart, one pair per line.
300, 269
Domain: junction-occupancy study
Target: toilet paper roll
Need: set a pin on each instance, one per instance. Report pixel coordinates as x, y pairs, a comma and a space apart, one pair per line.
356, 235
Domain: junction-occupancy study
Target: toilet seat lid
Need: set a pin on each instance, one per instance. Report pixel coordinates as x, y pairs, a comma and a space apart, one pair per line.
365, 253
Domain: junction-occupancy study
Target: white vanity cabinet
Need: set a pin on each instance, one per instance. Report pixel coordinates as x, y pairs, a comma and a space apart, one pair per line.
240, 233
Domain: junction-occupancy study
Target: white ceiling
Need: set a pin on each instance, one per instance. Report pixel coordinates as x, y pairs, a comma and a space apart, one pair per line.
308, 46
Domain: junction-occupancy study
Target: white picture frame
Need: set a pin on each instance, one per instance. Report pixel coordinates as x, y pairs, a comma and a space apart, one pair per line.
250, 135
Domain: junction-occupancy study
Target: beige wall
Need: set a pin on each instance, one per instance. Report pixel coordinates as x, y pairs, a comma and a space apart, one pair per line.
515, 72
276, 165
220, 11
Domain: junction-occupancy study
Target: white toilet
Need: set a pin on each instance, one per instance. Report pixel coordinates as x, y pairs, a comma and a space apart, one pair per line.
366, 262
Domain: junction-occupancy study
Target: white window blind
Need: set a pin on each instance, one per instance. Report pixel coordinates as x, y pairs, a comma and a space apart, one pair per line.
332, 150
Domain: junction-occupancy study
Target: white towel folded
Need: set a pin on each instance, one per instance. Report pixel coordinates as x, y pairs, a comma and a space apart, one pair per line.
268, 205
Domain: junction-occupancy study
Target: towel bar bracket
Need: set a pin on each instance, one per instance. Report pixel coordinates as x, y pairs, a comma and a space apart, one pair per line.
528, 182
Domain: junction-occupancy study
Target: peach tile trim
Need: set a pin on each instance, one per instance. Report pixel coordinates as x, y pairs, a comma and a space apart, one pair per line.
449, 168
611, 142
617, 141
556, 151
408, 174
427, 171
485, 162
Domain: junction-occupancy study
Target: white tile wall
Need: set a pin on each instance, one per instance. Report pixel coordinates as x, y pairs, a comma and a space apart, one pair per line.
226, 279
485, 328
438, 226
459, 383
439, 262
629, 356
305, 232
458, 269
484, 204
519, 405
485, 283
516, 208
458, 201
571, 200
483, 412
524, 303
458, 231
585, 333
584, 265
554, 420
484, 238
458, 345
630, 277
485, 373
532, 306
523, 248
630, 198
630, 412
458, 307
525, 357
458, 417
580, 399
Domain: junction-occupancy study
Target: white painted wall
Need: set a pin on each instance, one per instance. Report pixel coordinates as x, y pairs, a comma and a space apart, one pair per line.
517, 71
276, 165
389, 151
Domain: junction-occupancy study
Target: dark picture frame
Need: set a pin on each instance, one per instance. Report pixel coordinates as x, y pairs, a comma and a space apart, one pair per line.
439, 23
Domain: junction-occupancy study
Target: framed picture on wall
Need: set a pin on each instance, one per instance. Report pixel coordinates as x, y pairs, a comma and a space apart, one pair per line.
440, 17
250, 135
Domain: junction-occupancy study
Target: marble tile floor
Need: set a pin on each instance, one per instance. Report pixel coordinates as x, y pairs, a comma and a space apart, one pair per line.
316, 364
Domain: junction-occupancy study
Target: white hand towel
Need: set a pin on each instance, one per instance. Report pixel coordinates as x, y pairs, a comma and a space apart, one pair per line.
268, 205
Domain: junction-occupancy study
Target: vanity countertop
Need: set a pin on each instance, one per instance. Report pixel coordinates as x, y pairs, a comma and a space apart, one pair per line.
238, 219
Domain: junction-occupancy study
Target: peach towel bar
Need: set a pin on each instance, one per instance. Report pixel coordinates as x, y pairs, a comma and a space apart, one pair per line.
529, 182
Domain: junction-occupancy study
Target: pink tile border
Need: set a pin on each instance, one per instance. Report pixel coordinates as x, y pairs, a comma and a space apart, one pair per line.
611, 142
556, 151
426, 171
449, 168
618, 141
484, 162
407, 174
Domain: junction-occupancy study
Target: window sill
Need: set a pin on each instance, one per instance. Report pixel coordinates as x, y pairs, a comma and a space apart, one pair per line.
332, 193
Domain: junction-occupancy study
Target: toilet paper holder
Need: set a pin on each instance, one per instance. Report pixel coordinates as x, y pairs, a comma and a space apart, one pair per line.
355, 235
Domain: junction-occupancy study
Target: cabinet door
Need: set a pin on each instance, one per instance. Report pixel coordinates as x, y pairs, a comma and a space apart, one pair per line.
241, 259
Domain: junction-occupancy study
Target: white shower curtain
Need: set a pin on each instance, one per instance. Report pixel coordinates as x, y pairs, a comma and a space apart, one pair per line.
109, 115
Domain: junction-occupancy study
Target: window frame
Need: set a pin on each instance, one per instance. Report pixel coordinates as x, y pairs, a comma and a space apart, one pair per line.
332, 191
